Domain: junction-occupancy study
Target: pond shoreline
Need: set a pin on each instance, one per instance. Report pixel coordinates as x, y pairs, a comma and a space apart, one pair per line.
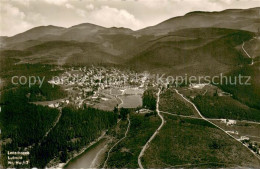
81, 152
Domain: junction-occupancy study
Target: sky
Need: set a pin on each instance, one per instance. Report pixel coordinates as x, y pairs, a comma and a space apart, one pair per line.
17, 16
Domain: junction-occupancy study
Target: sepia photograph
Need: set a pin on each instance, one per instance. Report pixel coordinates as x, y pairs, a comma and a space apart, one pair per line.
129, 84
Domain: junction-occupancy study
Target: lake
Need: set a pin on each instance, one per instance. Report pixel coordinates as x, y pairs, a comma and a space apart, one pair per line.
131, 101
92, 158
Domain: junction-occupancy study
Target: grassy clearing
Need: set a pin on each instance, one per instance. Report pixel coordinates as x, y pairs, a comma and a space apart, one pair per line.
125, 154
185, 142
173, 103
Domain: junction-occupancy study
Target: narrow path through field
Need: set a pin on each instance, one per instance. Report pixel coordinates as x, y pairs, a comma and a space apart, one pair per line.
46, 134
54, 124
244, 121
252, 63
116, 96
127, 130
214, 123
154, 134
192, 117
252, 136
211, 119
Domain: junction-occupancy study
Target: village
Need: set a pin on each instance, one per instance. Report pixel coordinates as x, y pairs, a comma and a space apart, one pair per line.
100, 87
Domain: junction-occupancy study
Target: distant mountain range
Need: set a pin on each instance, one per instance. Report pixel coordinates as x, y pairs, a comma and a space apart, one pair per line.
200, 42
241, 19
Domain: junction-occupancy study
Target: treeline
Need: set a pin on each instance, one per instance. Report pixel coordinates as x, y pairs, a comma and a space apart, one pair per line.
36, 92
22, 124
76, 129
25, 94
225, 107
149, 99
45, 93
122, 112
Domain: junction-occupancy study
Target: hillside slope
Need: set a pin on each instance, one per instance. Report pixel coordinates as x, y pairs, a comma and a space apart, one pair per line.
241, 19
215, 53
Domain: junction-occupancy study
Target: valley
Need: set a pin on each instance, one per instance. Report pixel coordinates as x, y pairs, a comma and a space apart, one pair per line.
112, 97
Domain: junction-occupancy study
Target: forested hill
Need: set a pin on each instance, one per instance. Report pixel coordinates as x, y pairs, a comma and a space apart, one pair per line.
24, 125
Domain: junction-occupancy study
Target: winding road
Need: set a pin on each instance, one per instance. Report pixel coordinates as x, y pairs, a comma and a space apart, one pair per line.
154, 134
214, 123
127, 130
252, 63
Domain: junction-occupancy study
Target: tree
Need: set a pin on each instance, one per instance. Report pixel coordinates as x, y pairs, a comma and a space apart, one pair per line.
123, 113
115, 110
149, 100
64, 156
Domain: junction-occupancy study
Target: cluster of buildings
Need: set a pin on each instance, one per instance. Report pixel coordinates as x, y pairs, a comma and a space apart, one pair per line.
228, 122
83, 84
